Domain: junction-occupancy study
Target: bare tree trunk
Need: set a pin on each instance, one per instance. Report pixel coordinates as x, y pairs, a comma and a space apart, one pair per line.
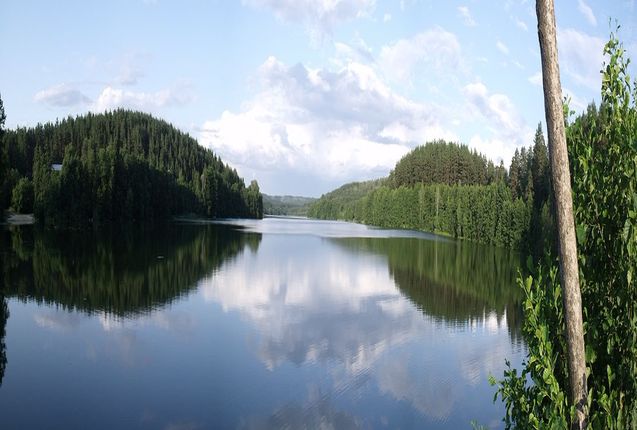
569, 272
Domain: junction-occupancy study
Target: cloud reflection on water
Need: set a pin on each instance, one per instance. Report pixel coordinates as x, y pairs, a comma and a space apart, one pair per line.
331, 307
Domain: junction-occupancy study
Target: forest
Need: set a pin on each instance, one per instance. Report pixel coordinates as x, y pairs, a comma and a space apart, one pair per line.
447, 188
118, 166
286, 205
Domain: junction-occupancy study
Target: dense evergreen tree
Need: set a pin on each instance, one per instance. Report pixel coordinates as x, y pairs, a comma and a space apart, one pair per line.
4, 164
287, 205
446, 188
440, 162
121, 165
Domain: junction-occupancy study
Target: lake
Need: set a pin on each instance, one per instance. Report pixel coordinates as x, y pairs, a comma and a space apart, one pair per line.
277, 323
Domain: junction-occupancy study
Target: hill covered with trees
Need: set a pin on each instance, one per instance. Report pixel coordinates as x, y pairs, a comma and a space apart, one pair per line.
117, 166
447, 188
287, 205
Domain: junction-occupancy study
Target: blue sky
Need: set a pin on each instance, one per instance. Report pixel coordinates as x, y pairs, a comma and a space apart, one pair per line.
305, 95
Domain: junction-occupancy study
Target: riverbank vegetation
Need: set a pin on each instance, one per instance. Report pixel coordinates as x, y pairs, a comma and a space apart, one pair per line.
286, 205
447, 188
602, 145
116, 167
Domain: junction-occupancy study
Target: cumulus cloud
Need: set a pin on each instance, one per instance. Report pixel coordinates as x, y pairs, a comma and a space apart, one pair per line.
465, 13
345, 124
438, 50
62, 95
319, 16
130, 74
581, 57
536, 79
502, 47
521, 24
387, 17
576, 103
357, 51
586, 10
508, 128
111, 98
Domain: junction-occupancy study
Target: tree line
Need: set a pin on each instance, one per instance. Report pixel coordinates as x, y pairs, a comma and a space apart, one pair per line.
447, 188
286, 205
117, 166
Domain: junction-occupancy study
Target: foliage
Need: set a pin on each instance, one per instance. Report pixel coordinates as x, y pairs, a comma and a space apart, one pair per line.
446, 188
603, 159
4, 164
122, 166
440, 162
287, 205
22, 196
342, 203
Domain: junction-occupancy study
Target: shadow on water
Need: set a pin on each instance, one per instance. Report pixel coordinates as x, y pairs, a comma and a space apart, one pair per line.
455, 282
121, 272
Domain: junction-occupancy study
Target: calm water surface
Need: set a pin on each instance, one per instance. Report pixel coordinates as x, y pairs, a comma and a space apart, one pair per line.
253, 324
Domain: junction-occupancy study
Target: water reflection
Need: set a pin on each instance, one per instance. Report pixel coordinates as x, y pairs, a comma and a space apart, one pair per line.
264, 330
454, 281
318, 413
124, 272
116, 274
4, 315
334, 302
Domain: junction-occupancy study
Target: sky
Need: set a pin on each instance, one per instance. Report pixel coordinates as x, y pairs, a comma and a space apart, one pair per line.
306, 95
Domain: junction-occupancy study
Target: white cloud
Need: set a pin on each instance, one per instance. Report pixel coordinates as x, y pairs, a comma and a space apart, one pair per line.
438, 50
466, 16
319, 16
129, 75
111, 98
357, 51
61, 95
345, 124
508, 128
586, 10
387, 17
576, 103
536, 79
521, 24
502, 47
131, 67
581, 57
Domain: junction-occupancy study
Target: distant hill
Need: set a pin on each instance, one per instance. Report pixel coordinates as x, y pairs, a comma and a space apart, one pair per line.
344, 202
117, 166
286, 205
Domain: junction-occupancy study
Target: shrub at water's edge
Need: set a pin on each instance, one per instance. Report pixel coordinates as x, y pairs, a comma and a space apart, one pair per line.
602, 147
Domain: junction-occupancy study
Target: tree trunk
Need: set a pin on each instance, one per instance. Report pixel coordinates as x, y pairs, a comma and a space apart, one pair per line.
569, 272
